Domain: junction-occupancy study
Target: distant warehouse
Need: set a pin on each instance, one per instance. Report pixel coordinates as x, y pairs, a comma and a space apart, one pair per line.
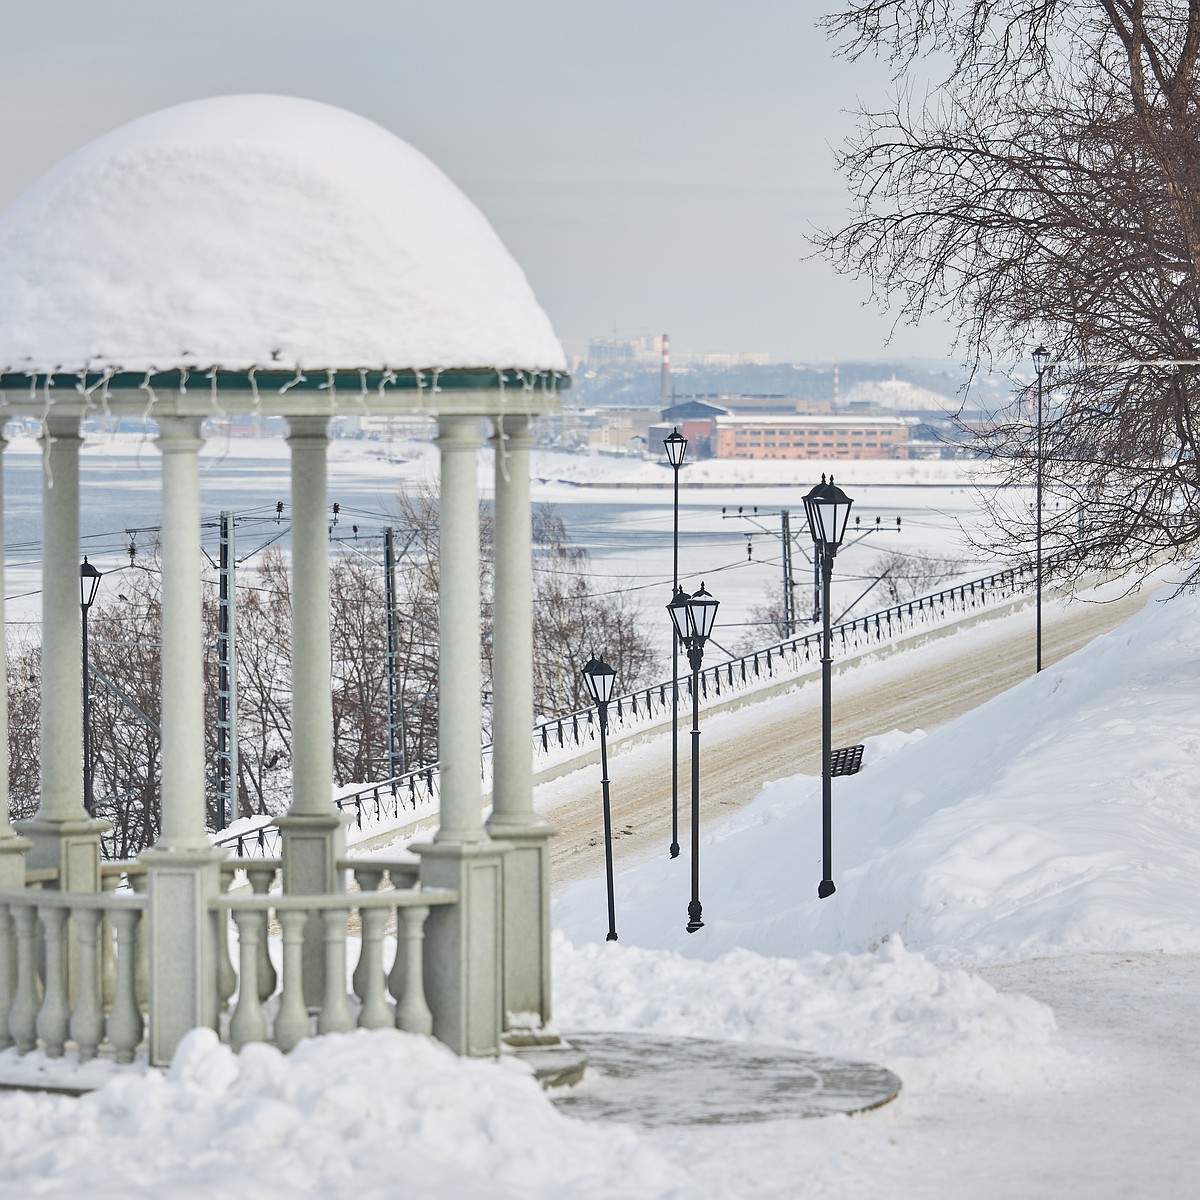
778, 436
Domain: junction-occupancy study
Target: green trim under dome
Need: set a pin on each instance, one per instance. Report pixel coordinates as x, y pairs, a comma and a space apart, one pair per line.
274, 380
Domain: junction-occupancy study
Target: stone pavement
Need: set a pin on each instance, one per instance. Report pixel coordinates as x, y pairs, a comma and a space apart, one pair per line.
653, 1081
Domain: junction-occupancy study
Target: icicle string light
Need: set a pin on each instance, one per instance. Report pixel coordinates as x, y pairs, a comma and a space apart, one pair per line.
151, 399
300, 377
47, 401
212, 391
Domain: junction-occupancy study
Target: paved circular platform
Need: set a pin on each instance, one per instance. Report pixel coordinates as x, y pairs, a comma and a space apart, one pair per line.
655, 1081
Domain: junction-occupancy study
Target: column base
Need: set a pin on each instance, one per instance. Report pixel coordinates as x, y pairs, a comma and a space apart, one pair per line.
525, 902
181, 934
312, 846
71, 847
464, 944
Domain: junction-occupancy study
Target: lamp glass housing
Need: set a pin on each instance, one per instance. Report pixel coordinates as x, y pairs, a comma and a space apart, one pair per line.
675, 444
600, 679
828, 510
702, 614
678, 608
1041, 359
89, 583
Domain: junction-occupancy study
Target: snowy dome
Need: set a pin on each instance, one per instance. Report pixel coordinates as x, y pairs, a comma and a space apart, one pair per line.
252, 231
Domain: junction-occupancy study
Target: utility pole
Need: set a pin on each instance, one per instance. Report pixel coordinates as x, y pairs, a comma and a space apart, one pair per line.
227, 738
395, 732
789, 584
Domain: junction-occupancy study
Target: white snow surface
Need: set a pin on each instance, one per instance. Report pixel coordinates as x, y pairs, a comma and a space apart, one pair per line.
1059, 817
259, 230
1057, 821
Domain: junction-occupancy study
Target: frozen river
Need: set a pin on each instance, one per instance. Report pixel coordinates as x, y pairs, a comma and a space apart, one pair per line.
626, 532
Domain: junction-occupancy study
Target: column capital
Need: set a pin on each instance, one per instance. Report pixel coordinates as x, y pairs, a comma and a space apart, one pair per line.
307, 429
457, 431
512, 426
179, 434
61, 424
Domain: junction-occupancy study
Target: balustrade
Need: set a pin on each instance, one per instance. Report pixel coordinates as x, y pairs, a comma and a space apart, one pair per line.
36, 1004
382, 996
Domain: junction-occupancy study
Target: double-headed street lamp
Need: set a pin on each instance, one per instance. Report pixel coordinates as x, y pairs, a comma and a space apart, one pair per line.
1041, 360
693, 618
600, 677
676, 447
828, 509
89, 585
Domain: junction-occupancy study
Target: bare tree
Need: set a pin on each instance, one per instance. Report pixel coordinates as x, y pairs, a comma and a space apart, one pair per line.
1048, 191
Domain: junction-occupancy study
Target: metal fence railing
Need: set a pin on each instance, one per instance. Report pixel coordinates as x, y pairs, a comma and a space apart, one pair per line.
383, 804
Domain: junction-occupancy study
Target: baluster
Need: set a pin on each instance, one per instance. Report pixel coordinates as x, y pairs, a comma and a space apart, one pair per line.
335, 1015
53, 1016
125, 1023
261, 878
108, 959
87, 1021
412, 1009
227, 981
376, 1013
247, 1023
8, 974
292, 1022
22, 1017
140, 883
369, 879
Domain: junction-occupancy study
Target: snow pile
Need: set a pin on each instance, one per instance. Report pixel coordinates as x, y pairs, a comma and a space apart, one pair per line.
374, 1114
259, 231
891, 1006
1059, 817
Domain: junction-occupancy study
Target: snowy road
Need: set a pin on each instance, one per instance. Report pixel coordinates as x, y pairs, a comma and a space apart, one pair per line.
740, 751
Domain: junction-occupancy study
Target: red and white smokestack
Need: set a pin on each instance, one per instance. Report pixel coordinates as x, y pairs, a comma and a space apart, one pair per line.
665, 390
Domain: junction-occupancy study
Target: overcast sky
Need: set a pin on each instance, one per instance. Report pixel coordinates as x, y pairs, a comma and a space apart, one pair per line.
655, 165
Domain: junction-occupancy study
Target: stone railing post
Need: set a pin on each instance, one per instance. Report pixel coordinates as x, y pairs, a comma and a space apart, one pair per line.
526, 899
313, 835
463, 943
183, 868
62, 834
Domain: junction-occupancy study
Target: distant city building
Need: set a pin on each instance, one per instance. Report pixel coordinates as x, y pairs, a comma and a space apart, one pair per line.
866, 437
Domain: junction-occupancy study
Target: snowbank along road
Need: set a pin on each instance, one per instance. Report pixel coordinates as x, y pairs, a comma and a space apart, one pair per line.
740, 751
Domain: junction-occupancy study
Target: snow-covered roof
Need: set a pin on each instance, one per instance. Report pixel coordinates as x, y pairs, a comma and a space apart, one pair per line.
264, 231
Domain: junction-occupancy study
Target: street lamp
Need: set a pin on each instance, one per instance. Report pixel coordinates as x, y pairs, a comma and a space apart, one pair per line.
828, 509
1041, 360
89, 585
600, 677
693, 618
676, 447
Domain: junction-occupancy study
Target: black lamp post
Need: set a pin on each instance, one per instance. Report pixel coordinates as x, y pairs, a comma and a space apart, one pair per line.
600, 677
676, 447
89, 585
1041, 360
828, 509
693, 618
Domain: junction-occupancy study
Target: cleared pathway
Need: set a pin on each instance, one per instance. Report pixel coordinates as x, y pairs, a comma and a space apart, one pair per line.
913, 689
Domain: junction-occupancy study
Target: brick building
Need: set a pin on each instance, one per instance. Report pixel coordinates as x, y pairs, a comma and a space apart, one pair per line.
779, 436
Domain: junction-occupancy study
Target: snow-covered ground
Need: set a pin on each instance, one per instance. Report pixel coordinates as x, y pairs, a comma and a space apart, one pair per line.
1048, 843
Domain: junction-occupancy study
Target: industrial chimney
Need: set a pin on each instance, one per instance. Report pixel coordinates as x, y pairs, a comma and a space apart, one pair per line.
664, 393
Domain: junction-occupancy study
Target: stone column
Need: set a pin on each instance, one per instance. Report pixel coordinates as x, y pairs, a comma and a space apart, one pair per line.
12, 847
526, 900
183, 867
313, 834
61, 833
463, 943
